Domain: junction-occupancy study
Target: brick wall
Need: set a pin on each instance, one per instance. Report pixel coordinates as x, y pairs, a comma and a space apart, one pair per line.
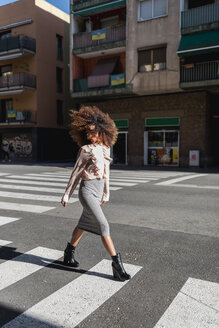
191, 108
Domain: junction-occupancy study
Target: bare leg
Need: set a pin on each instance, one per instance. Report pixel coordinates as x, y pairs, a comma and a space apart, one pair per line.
76, 236
108, 244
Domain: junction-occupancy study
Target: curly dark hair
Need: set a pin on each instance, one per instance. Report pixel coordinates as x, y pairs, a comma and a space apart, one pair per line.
92, 116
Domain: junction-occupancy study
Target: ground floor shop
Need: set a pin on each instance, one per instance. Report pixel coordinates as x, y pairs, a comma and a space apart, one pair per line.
166, 130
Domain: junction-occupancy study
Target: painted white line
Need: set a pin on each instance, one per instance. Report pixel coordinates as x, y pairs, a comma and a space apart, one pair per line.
4, 242
129, 180
123, 184
23, 265
24, 177
6, 220
169, 182
196, 186
49, 190
68, 306
1, 174
24, 207
15, 187
37, 183
195, 306
44, 198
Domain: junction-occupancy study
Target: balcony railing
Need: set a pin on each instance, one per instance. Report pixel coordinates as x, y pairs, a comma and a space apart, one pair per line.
79, 4
83, 40
99, 82
19, 80
17, 117
21, 42
200, 16
199, 72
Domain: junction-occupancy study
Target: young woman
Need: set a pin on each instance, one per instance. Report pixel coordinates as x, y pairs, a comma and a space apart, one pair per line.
95, 132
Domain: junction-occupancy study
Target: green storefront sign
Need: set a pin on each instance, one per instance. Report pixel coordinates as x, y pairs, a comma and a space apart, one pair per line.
121, 123
162, 121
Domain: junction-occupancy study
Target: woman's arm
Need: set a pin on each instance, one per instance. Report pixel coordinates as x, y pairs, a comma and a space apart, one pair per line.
107, 161
78, 169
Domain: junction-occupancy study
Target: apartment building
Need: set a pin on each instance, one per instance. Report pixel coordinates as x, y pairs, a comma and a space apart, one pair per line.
153, 66
34, 78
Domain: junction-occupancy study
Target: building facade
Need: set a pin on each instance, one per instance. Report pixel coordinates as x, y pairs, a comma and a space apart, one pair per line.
34, 78
153, 66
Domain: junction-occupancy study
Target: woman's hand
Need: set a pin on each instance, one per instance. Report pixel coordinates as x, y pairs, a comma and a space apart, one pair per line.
63, 203
102, 203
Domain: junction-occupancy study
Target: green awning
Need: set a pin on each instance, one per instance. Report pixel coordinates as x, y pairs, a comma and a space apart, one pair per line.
162, 121
121, 123
199, 43
99, 8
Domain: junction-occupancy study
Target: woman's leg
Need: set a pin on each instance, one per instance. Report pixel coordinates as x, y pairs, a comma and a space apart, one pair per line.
108, 244
76, 236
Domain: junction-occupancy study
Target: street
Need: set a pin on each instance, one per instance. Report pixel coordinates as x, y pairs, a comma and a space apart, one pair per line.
163, 222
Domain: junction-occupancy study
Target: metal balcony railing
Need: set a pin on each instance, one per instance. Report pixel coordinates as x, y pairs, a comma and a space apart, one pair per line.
116, 33
199, 72
89, 3
200, 15
22, 42
18, 80
18, 117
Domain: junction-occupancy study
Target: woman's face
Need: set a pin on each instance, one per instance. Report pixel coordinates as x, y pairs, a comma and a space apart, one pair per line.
94, 138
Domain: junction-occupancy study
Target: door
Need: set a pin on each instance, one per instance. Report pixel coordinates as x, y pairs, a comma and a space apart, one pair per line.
119, 150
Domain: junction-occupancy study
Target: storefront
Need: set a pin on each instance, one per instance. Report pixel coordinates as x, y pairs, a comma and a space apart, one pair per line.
119, 150
161, 141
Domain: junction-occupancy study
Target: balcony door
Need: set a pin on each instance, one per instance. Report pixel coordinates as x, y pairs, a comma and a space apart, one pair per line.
5, 105
5, 70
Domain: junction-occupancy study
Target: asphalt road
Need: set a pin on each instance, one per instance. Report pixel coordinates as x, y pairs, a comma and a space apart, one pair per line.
165, 223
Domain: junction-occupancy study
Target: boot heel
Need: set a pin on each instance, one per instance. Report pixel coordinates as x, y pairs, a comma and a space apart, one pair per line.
116, 275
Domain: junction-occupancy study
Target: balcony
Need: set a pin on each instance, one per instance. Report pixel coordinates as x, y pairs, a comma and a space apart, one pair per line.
16, 46
101, 85
199, 75
17, 83
18, 117
95, 5
113, 37
200, 18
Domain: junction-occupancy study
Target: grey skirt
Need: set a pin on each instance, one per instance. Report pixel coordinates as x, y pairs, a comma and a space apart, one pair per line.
92, 218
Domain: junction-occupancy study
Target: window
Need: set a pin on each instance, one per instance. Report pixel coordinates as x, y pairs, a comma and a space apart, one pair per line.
152, 59
59, 86
149, 9
5, 35
59, 105
59, 51
5, 70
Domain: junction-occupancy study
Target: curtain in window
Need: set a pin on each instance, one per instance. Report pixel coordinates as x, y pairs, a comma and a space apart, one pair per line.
160, 7
145, 9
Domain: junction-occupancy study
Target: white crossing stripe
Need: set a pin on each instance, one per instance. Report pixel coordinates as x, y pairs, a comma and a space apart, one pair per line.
1, 174
195, 306
123, 184
169, 182
37, 183
4, 242
24, 177
6, 220
129, 180
52, 190
25, 207
68, 306
23, 265
46, 198
196, 186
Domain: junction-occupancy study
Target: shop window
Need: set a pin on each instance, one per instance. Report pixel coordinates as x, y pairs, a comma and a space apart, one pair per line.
152, 59
149, 9
59, 50
59, 86
59, 105
163, 147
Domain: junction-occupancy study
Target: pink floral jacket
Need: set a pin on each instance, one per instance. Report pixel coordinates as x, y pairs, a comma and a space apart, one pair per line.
92, 162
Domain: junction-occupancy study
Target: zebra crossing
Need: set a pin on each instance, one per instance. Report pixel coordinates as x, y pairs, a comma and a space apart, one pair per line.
63, 307
41, 192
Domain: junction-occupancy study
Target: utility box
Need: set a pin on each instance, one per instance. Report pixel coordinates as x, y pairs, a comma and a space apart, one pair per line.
194, 158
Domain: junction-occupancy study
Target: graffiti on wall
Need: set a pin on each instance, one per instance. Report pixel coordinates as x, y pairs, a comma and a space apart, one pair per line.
22, 145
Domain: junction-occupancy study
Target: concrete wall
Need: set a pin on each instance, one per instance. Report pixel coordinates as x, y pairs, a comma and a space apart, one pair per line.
153, 32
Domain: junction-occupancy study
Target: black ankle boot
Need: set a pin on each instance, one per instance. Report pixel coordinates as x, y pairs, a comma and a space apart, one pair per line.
69, 256
119, 272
